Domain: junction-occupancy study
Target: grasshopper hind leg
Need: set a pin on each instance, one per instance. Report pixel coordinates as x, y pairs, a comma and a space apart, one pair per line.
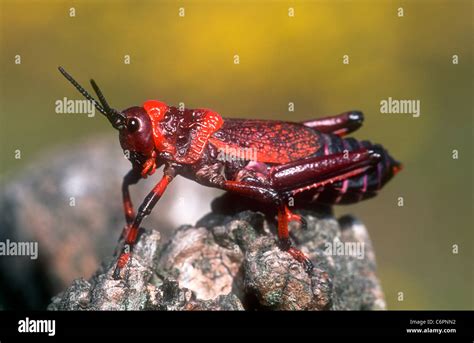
284, 217
341, 124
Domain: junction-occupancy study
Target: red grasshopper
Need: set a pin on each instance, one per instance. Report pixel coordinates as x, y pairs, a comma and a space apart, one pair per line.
306, 160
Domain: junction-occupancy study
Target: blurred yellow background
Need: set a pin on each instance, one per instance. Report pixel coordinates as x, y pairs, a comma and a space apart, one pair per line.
283, 59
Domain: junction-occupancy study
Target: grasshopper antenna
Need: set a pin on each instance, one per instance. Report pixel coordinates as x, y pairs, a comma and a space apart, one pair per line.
116, 118
102, 100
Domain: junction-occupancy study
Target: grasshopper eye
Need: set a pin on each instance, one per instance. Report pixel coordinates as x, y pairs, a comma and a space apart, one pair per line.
133, 124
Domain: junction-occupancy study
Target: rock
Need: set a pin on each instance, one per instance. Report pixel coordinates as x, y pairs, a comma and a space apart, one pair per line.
141, 289
279, 282
231, 261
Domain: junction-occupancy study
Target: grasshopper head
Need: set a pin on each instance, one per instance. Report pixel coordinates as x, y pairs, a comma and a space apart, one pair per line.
134, 125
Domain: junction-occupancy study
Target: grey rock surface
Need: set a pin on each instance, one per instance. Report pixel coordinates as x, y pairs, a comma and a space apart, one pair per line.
231, 261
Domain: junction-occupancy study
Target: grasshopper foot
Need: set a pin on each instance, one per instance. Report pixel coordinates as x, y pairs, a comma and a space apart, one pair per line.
122, 261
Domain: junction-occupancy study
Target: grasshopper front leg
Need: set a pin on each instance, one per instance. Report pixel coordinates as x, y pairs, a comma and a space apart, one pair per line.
131, 178
145, 209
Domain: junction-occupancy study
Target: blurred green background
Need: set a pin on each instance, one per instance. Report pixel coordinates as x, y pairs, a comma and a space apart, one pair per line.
283, 59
